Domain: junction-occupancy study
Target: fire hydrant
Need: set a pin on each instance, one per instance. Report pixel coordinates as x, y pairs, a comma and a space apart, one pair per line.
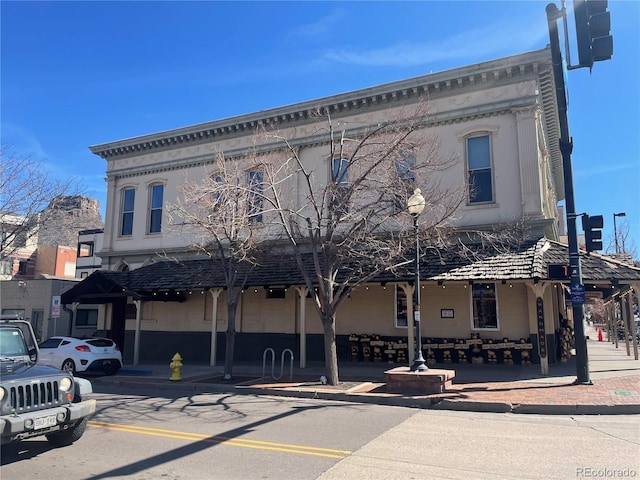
175, 366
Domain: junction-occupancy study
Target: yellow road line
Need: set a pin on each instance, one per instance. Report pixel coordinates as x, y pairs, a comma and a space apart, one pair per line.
215, 439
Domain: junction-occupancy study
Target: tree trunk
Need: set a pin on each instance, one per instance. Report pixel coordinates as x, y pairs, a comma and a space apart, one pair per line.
330, 353
230, 341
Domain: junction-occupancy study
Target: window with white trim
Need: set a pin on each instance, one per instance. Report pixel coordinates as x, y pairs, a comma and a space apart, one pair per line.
218, 197
255, 200
479, 169
405, 173
156, 193
128, 201
401, 307
340, 184
484, 303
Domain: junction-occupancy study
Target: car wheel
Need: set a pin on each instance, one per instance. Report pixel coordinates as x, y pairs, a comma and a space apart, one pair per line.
68, 366
68, 436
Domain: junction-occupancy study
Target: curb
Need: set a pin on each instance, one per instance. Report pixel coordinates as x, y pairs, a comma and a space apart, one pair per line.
474, 406
421, 402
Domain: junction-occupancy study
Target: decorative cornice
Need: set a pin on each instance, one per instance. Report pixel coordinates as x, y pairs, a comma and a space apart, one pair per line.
446, 118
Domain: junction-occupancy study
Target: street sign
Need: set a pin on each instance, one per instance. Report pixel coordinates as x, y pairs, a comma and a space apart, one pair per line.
577, 294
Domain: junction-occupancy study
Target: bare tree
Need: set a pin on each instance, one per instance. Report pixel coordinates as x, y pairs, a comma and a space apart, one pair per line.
624, 244
354, 225
220, 212
26, 190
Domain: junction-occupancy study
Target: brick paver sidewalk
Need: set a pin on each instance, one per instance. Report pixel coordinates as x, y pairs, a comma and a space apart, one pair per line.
607, 391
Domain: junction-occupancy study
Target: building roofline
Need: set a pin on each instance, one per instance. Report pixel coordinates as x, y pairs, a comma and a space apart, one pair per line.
448, 80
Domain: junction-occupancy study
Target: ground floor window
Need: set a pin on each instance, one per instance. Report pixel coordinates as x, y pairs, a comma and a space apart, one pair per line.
484, 306
87, 318
401, 307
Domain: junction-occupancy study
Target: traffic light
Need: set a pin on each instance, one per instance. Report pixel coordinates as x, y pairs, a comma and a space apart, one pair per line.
593, 25
592, 227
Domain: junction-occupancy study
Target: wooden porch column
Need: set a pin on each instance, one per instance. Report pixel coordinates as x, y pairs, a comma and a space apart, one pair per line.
215, 293
74, 315
136, 339
411, 341
545, 313
634, 331
302, 314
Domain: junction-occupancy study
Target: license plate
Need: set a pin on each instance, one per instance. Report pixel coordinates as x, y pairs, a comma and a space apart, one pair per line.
44, 422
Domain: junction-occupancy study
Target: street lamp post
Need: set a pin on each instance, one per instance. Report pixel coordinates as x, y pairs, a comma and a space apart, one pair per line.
615, 230
415, 205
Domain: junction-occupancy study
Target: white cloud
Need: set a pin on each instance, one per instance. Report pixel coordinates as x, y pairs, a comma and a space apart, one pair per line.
608, 168
22, 141
479, 43
321, 27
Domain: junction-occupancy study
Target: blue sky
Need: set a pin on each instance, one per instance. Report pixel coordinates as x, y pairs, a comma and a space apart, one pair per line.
75, 74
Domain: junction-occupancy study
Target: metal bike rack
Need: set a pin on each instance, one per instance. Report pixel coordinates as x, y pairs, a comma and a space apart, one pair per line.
273, 361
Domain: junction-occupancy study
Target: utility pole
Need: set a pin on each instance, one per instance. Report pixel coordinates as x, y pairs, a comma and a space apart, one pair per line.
595, 44
566, 147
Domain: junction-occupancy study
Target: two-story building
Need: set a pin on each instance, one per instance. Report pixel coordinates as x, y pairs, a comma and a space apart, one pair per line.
498, 119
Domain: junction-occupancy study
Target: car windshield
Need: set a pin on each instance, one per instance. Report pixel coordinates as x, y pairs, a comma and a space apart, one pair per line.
11, 343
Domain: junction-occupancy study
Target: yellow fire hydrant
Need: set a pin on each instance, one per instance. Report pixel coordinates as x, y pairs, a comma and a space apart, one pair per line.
175, 366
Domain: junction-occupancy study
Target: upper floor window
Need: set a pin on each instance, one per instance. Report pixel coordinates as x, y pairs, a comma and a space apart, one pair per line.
340, 181
128, 200
405, 173
85, 249
256, 191
479, 168
23, 267
405, 168
485, 306
155, 208
6, 267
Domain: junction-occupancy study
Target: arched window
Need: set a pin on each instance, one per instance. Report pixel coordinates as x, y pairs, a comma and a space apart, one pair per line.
156, 197
127, 202
255, 202
479, 168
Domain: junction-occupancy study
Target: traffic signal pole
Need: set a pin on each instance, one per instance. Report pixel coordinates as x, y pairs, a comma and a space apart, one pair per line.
566, 147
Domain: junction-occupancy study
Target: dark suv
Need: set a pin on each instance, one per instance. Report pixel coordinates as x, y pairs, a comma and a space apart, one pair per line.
37, 400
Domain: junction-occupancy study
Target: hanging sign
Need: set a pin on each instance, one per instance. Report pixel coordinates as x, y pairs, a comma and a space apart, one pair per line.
542, 336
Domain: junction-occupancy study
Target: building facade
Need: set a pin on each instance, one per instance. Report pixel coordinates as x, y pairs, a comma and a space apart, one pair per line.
498, 119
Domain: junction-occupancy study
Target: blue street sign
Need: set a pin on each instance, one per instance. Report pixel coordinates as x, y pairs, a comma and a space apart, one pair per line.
577, 294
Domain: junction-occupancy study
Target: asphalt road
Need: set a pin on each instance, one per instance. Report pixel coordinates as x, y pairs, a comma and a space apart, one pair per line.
192, 437
176, 435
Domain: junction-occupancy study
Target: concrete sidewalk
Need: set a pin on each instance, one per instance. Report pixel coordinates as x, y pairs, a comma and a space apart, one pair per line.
615, 385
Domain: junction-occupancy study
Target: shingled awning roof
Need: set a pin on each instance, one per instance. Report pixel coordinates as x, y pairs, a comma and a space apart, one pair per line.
529, 261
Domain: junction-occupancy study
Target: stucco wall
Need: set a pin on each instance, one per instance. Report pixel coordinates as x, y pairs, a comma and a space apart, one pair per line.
370, 310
